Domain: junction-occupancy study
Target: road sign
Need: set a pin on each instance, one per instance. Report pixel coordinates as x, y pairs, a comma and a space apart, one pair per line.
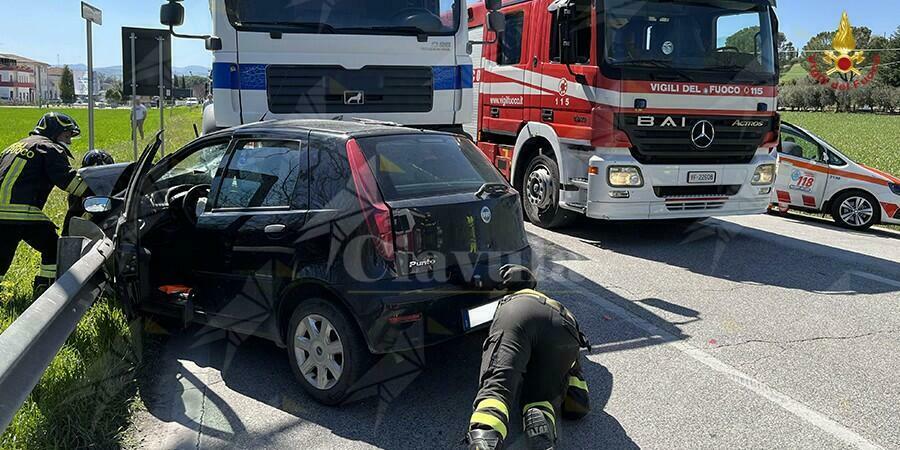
91, 13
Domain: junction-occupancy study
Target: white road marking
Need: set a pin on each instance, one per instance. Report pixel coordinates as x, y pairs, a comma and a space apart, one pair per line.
807, 414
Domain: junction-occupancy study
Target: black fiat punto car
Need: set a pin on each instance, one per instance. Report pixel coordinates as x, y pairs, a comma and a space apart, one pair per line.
335, 239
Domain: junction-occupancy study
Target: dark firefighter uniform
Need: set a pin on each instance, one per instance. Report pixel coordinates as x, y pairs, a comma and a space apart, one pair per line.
29, 169
532, 353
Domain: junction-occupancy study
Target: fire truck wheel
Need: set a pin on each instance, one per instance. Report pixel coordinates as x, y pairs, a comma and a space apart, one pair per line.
856, 210
540, 195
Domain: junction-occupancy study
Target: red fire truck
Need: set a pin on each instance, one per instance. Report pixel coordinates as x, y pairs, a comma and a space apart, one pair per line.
629, 110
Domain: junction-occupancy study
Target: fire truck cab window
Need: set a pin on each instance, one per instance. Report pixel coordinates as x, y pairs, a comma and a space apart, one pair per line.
581, 33
509, 42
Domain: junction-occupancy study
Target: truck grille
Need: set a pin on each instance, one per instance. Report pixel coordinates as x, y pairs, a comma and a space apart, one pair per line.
668, 139
687, 192
326, 89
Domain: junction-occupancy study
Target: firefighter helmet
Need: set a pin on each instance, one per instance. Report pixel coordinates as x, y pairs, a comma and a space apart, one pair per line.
53, 124
96, 158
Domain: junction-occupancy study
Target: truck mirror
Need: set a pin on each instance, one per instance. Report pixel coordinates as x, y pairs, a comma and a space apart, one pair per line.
496, 22
213, 43
171, 14
492, 5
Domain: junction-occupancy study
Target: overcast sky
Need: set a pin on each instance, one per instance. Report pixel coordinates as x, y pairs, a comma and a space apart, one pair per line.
54, 31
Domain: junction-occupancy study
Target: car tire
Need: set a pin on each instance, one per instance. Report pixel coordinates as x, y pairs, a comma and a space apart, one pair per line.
540, 195
856, 210
336, 343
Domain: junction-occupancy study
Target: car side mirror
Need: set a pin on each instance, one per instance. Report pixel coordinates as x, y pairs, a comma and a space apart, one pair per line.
98, 205
171, 14
496, 22
214, 43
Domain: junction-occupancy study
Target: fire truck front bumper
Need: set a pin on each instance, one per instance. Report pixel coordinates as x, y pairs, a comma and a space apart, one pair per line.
676, 192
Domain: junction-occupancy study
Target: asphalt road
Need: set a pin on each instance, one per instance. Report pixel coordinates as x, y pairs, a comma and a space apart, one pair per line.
751, 332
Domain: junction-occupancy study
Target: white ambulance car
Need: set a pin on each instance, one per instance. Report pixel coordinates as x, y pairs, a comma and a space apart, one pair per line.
814, 176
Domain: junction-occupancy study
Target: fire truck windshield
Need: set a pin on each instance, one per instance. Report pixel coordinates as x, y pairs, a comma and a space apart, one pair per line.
709, 40
393, 17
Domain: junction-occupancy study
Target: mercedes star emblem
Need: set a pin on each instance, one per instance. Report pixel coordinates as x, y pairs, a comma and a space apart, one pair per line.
703, 134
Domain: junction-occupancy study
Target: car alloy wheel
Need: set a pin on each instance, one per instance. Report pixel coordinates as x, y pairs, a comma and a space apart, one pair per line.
319, 351
856, 211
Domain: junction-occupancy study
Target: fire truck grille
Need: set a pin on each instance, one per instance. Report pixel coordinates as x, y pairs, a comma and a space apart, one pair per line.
687, 192
660, 139
335, 90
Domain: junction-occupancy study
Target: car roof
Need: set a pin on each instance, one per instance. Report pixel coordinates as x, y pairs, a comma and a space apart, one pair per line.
349, 128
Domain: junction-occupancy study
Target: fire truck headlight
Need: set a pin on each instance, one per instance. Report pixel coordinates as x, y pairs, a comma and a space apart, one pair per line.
764, 175
625, 176
895, 188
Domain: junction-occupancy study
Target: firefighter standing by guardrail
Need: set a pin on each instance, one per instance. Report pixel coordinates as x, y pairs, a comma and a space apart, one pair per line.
532, 352
29, 169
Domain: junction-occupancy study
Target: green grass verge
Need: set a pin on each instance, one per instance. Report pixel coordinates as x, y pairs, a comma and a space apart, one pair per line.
796, 72
870, 139
84, 397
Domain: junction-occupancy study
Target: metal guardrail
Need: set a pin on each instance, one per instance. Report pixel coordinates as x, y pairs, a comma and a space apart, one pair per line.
29, 345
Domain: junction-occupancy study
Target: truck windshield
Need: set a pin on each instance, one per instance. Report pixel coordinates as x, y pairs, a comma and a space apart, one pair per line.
400, 17
726, 36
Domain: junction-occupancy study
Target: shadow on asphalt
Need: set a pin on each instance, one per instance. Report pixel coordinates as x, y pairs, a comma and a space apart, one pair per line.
732, 252
419, 399
827, 223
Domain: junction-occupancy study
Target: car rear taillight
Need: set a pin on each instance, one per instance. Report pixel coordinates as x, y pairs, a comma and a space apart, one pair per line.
374, 209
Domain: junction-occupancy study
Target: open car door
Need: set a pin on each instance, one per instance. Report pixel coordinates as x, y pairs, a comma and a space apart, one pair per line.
131, 259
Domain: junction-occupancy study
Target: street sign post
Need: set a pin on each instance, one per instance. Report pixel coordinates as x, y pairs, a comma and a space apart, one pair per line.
91, 15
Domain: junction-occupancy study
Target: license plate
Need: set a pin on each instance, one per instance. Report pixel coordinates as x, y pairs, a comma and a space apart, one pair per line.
480, 315
701, 177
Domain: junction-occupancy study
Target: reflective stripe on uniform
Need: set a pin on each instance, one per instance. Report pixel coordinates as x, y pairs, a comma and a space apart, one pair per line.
493, 403
578, 383
489, 420
545, 407
22, 213
47, 271
9, 180
77, 186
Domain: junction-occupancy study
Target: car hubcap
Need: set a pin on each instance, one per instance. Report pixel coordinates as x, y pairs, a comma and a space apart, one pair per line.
538, 187
319, 351
857, 211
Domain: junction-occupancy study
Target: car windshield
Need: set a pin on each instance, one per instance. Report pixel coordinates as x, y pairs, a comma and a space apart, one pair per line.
415, 166
719, 35
434, 17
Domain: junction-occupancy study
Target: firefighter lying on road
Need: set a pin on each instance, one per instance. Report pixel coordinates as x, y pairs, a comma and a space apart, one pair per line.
28, 171
532, 353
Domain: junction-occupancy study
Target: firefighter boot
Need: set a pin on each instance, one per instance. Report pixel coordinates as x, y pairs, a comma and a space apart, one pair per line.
540, 431
479, 439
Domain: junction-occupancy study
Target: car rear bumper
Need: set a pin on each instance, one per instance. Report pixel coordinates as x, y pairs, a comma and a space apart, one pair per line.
416, 313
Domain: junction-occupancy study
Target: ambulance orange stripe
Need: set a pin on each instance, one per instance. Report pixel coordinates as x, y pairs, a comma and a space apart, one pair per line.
890, 177
838, 172
890, 209
784, 196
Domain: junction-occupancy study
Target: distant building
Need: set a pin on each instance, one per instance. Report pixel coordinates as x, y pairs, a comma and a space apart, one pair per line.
54, 74
24, 80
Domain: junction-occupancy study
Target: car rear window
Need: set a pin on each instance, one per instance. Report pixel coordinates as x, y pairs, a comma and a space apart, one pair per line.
422, 165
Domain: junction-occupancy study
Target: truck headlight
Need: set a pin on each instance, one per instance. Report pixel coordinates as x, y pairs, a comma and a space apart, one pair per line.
895, 188
764, 175
625, 176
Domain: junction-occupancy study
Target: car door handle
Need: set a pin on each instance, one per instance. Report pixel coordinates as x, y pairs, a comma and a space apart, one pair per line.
275, 228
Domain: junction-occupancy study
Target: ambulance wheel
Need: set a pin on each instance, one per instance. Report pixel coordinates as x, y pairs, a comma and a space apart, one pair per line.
540, 195
856, 210
326, 351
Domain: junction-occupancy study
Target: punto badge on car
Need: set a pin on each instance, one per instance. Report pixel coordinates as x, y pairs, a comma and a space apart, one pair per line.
486, 214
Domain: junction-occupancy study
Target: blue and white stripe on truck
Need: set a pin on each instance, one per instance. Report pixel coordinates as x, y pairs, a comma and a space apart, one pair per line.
253, 77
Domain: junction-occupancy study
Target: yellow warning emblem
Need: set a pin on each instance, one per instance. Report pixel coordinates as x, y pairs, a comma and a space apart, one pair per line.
844, 58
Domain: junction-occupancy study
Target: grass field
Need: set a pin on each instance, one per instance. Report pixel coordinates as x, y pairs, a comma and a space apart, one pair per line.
83, 399
873, 140
796, 72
